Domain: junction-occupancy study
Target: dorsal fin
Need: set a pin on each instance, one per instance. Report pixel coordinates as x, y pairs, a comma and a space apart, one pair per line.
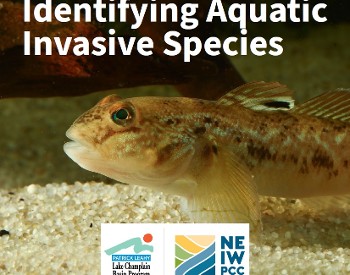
260, 96
331, 105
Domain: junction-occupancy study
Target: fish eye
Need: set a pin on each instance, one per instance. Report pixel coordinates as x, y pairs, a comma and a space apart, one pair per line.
122, 116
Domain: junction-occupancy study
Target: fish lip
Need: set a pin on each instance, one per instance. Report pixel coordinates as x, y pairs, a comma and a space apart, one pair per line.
70, 135
70, 144
76, 146
78, 151
75, 139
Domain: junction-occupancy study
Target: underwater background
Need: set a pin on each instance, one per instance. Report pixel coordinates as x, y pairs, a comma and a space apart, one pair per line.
51, 209
33, 129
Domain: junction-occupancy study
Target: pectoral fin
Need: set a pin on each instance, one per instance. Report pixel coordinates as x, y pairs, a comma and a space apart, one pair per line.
225, 190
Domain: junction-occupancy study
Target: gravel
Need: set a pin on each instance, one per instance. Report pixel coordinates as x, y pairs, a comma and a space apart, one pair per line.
56, 229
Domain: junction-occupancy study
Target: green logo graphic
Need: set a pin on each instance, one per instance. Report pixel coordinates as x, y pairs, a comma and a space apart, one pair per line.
135, 242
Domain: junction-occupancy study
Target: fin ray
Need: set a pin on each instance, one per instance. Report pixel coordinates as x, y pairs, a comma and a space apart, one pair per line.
225, 192
332, 105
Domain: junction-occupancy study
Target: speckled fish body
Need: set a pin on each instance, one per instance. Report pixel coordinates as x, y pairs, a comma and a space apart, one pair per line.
220, 154
294, 155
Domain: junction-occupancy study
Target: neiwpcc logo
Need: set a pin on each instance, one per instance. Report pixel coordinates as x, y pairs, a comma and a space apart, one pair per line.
207, 249
233, 254
194, 254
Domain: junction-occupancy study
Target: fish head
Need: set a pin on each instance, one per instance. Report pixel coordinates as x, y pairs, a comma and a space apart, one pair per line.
126, 140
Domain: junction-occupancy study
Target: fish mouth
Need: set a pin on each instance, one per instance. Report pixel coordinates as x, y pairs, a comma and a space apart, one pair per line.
72, 147
75, 139
88, 157
78, 150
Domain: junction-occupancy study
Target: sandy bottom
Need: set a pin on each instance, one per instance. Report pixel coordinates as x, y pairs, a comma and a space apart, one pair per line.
56, 228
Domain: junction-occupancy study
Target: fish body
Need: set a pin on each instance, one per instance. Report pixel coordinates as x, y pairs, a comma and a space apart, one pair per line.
220, 154
294, 155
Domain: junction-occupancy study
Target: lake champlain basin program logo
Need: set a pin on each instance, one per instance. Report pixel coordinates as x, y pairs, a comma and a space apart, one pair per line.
132, 264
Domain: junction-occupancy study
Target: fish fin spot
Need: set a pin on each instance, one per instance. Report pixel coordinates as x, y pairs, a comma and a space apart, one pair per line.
278, 104
260, 96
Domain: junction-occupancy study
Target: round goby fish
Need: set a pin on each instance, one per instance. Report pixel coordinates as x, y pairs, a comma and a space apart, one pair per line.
220, 154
